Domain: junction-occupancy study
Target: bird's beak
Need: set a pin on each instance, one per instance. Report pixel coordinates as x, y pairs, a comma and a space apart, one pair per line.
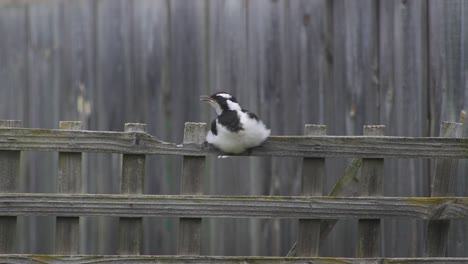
206, 98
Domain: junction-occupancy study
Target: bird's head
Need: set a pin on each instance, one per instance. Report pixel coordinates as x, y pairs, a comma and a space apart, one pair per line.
221, 102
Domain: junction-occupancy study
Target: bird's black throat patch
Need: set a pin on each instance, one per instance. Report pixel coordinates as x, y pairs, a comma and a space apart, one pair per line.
230, 120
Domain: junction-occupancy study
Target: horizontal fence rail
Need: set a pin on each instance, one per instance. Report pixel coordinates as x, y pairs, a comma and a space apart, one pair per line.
89, 259
232, 206
316, 214
24, 139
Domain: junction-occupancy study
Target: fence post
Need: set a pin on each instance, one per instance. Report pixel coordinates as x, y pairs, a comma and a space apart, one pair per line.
67, 234
369, 231
437, 230
133, 174
313, 173
192, 171
9, 174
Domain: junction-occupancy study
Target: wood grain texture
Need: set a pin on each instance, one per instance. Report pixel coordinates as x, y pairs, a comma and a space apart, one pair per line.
447, 69
9, 176
313, 175
369, 231
403, 74
148, 60
43, 57
67, 239
133, 174
348, 185
193, 169
91, 259
281, 146
233, 206
445, 169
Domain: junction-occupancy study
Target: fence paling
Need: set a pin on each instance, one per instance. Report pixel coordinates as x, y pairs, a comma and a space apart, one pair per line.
369, 232
68, 181
313, 174
193, 169
437, 230
132, 182
9, 176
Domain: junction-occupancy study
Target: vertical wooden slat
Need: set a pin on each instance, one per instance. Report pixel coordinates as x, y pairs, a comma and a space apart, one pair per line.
369, 231
313, 174
9, 174
192, 172
437, 230
68, 181
133, 174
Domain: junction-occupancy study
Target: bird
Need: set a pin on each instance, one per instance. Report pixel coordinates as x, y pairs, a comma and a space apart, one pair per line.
234, 130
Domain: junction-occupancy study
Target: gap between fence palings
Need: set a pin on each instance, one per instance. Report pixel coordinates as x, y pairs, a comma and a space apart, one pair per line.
437, 230
369, 230
67, 231
9, 175
313, 173
132, 182
192, 171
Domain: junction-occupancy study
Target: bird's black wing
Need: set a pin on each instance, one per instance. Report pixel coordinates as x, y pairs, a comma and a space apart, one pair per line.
230, 120
213, 128
250, 114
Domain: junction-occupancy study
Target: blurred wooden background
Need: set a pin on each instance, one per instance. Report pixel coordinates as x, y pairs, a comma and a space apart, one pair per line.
342, 63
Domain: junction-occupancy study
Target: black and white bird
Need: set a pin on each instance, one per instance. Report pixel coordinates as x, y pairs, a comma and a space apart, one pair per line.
235, 129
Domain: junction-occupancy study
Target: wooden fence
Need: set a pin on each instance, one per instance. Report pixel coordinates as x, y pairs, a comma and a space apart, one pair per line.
317, 214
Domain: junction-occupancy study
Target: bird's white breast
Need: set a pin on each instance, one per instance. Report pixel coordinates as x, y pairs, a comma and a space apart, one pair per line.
253, 134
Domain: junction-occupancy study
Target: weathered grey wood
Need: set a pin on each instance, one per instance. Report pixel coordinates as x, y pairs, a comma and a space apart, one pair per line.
289, 146
437, 230
369, 230
9, 174
313, 174
67, 233
193, 169
90, 259
404, 46
133, 174
447, 69
233, 206
265, 52
349, 185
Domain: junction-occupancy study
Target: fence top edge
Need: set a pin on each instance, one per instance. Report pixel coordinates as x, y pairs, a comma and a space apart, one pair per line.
38, 132
454, 199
